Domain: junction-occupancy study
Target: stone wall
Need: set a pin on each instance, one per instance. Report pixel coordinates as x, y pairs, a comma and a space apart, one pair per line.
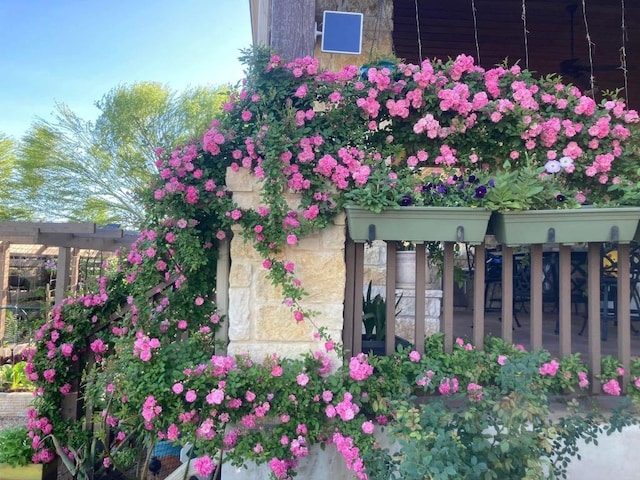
259, 323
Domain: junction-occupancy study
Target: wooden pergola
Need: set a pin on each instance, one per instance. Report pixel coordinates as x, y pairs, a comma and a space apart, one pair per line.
70, 239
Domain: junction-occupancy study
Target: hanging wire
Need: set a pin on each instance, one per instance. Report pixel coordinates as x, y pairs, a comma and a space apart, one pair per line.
623, 56
590, 45
526, 34
418, 27
475, 30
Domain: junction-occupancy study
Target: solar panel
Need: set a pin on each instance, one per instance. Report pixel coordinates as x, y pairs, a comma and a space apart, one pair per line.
342, 32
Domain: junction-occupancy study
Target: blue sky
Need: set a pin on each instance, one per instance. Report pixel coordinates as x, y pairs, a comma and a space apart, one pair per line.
75, 51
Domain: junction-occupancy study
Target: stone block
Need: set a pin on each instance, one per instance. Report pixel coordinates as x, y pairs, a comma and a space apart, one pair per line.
330, 316
323, 276
276, 323
239, 314
375, 255
240, 274
240, 181
258, 351
243, 250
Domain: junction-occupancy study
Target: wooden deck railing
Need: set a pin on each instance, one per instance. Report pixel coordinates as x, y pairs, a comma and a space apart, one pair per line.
565, 298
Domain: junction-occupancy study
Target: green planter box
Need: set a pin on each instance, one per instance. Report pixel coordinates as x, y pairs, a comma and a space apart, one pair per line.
571, 226
418, 224
28, 472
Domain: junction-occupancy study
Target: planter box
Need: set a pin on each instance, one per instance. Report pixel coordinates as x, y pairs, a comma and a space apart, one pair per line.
28, 472
418, 224
571, 226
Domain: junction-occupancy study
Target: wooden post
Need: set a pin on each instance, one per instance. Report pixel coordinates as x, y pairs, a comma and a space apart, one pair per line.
222, 292
293, 28
62, 276
4, 279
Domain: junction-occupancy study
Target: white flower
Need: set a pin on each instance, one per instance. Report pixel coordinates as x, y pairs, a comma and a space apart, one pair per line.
553, 166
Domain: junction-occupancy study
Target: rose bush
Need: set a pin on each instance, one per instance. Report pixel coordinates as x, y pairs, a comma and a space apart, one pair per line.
142, 351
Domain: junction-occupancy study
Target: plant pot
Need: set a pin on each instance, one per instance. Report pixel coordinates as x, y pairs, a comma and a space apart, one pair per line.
571, 226
377, 347
418, 224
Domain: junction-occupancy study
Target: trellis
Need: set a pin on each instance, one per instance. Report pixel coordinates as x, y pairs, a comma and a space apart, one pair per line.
70, 239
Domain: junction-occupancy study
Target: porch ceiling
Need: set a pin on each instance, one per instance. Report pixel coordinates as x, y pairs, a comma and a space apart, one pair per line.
447, 29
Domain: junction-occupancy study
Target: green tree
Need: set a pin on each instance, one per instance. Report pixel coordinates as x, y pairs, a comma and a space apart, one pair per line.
79, 170
10, 201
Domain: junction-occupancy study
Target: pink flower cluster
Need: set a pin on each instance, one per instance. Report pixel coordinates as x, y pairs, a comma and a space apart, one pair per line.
549, 368
143, 346
359, 368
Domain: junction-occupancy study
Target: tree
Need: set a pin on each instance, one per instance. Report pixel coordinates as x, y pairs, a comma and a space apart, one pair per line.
10, 208
79, 170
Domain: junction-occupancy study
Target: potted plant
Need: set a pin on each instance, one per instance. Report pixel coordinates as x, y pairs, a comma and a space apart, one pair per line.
16, 454
374, 318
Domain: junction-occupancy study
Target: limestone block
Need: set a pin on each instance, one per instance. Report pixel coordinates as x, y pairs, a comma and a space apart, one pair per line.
263, 290
340, 220
293, 200
376, 254
241, 181
240, 274
323, 276
311, 243
330, 316
258, 351
276, 323
243, 250
405, 327
377, 276
239, 317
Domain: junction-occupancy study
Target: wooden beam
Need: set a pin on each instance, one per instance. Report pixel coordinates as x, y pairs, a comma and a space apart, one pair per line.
46, 227
293, 28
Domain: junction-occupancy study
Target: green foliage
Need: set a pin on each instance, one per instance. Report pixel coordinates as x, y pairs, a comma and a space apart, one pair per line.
15, 446
14, 378
374, 314
504, 430
525, 188
11, 207
84, 171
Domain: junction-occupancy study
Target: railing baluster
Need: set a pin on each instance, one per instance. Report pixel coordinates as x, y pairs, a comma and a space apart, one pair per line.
447, 296
564, 308
358, 281
536, 297
624, 310
390, 336
478, 296
507, 294
351, 295
593, 309
421, 275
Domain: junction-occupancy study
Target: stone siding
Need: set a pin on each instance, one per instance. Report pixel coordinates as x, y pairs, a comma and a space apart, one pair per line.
259, 323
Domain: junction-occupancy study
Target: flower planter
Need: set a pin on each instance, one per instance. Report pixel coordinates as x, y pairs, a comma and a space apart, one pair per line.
418, 224
566, 226
27, 472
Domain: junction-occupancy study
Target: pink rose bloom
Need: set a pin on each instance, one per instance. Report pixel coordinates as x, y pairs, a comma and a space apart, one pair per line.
367, 427
502, 359
302, 379
177, 388
204, 466
414, 356
612, 387
191, 396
